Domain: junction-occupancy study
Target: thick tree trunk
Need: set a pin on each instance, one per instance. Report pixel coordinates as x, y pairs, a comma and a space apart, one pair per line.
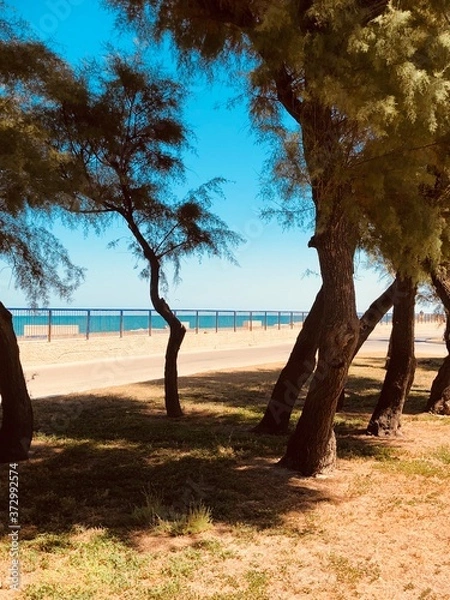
439, 400
386, 418
17, 416
294, 375
302, 360
312, 447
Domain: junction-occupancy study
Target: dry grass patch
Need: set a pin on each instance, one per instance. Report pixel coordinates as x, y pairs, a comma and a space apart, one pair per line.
120, 502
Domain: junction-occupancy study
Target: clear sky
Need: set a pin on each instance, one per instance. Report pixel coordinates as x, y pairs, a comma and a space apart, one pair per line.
273, 262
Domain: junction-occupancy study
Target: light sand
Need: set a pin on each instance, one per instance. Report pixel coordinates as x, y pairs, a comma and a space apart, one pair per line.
40, 352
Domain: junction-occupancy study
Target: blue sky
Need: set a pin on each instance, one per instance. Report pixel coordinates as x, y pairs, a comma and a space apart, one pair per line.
272, 262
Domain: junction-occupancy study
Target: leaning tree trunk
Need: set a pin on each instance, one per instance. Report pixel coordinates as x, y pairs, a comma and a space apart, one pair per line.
176, 336
177, 331
312, 446
439, 400
302, 359
294, 375
386, 418
17, 416
370, 320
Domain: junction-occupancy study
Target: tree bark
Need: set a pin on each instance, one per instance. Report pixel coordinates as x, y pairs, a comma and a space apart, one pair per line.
17, 416
386, 418
311, 448
176, 336
177, 330
294, 375
370, 320
172, 397
302, 360
439, 400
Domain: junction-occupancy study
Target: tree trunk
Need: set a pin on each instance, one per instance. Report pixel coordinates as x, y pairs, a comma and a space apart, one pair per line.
301, 362
386, 418
312, 446
294, 375
389, 353
370, 320
17, 416
172, 398
176, 336
439, 400
375, 313
177, 331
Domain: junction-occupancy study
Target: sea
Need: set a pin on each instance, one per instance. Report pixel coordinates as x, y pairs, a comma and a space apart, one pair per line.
42, 323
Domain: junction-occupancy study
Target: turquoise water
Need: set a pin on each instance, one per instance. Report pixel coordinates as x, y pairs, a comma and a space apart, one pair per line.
36, 323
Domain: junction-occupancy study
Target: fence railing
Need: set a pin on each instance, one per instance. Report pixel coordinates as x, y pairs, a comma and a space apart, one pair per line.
51, 323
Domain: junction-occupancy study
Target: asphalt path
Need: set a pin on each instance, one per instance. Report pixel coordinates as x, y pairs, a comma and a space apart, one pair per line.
60, 379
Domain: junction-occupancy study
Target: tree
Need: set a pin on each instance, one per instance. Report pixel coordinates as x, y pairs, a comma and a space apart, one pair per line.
30, 184
16, 431
385, 420
354, 77
439, 399
124, 128
301, 362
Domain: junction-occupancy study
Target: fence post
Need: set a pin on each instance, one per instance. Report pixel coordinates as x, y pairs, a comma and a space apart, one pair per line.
121, 324
88, 323
49, 334
251, 321
292, 320
196, 321
217, 320
149, 322
265, 320
279, 320
234, 320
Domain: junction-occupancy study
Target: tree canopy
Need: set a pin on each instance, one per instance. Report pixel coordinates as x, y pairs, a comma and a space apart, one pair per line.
30, 169
123, 125
379, 68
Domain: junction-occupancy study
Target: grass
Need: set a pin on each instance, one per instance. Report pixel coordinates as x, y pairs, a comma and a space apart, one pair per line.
120, 502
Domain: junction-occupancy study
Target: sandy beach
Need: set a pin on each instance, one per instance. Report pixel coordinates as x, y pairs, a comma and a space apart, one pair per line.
59, 351
69, 350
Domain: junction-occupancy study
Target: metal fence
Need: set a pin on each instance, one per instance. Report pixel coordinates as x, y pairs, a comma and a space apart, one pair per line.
51, 323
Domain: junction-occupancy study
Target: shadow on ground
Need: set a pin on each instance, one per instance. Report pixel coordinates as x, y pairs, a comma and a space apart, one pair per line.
97, 455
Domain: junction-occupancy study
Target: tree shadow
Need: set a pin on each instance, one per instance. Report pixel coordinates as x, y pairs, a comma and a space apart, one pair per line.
97, 456
431, 364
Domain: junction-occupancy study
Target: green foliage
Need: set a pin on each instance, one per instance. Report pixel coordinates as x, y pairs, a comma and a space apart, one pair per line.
38, 260
123, 124
31, 179
367, 86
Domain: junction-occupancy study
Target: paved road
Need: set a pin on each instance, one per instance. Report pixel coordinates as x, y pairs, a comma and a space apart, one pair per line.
82, 376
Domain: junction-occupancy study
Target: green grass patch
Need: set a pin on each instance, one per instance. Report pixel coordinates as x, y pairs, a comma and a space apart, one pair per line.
423, 467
